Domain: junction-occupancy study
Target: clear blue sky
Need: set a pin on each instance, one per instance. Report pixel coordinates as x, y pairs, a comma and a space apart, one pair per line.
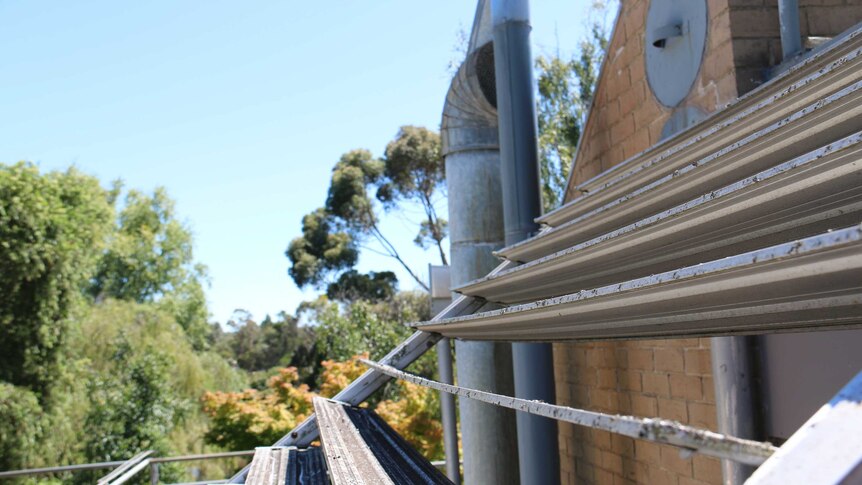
240, 109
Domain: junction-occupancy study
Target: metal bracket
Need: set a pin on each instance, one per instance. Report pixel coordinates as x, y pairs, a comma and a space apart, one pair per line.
662, 34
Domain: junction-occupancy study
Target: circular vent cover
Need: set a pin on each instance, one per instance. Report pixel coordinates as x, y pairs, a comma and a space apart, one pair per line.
674, 41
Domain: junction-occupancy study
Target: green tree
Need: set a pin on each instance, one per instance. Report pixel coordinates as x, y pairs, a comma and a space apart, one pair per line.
565, 89
411, 170
149, 259
132, 408
350, 203
415, 170
52, 229
353, 285
20, 426
322, 249
363, 326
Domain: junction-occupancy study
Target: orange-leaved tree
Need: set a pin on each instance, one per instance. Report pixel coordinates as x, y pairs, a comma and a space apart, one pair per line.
243, 420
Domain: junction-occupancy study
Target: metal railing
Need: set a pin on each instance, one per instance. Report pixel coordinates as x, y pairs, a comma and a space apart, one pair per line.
126, 469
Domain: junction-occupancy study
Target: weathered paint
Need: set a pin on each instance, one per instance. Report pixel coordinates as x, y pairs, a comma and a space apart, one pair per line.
812, 282
811, 193
658, 430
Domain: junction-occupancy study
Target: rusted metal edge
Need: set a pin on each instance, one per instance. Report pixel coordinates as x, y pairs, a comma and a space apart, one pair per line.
650, 429
812, 282
647, 162
839, 166
744, 150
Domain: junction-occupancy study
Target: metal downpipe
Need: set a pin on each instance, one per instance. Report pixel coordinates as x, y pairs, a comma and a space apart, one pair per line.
791, 36
447, 411
470, 147
516, 108
732, 371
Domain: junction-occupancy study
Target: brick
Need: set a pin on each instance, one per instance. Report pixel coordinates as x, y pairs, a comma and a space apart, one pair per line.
634, 18
672, 409
719, 22
607, 378
618, 480
702, 415
726, 87
593, 455
697, 361
629, 380
671, 459
612, 462
587, 375
655, 129
601, 357
657, 384
692, 481
669, 360
584, 470
640, 359
647, 452
633, 98
637, 71
622, 445
661, 476
638, 142
603, 477
761, 53
604, 400
686, 387
717, 63
708, 389
617, 82
644, 406
754, 22
707, 469
600, 439
624, 128
828, 21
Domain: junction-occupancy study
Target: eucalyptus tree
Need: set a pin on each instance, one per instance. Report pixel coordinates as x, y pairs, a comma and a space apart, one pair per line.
350, 219
414, 170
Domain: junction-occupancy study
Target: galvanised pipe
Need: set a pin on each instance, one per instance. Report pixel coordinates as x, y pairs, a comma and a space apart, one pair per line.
470, 146
538, 450
791, 36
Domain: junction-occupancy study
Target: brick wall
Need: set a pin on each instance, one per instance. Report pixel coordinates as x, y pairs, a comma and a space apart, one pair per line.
625, 118
667, 378
755, 30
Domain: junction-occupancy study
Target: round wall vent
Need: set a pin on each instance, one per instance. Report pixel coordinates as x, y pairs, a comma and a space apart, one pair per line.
674, 41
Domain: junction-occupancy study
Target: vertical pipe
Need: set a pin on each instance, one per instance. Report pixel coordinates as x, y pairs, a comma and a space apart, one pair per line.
791, 36
732, 372
440, 283
154, 473
470, 146
447, 410
516, 109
